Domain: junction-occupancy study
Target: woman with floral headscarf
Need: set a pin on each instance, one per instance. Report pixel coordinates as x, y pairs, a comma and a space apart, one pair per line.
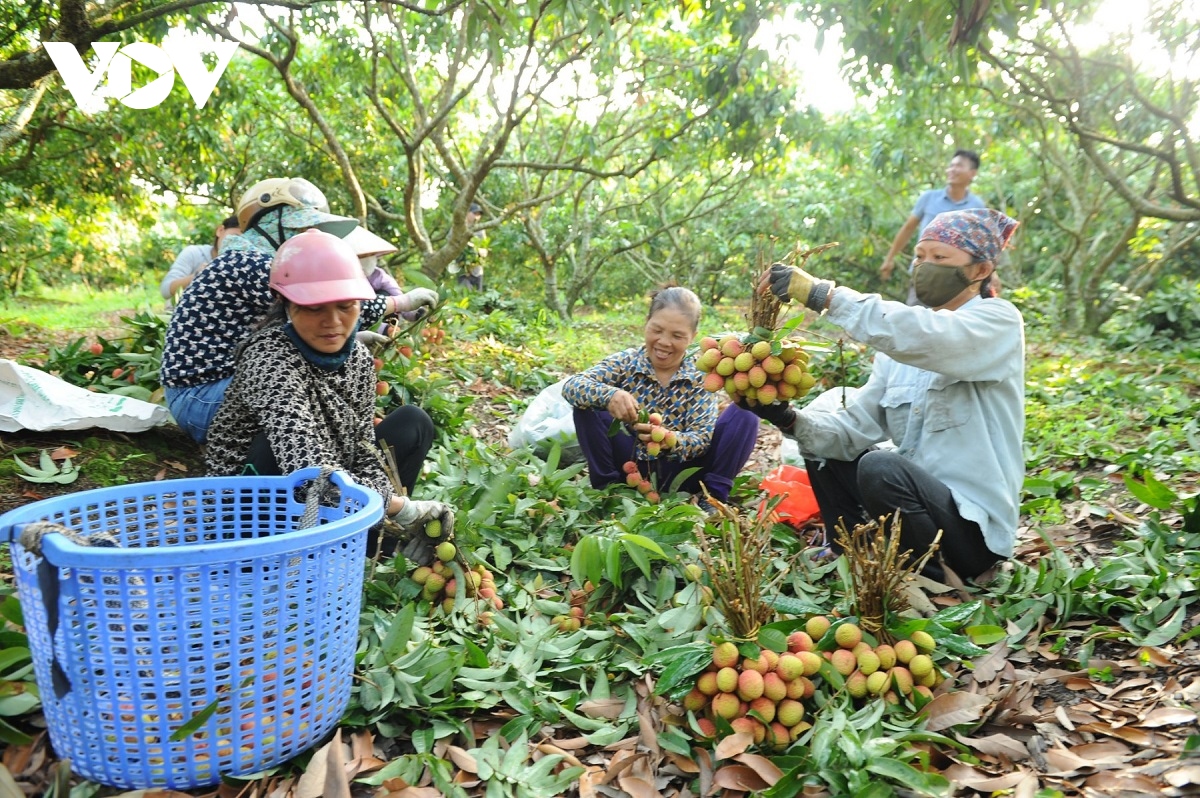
947, 388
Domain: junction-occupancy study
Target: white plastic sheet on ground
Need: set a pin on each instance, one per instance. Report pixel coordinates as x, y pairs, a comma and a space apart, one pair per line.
31, 399
547, 420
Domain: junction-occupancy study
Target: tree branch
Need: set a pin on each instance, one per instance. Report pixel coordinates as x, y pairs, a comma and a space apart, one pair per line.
12, 129
297, 91
22, 70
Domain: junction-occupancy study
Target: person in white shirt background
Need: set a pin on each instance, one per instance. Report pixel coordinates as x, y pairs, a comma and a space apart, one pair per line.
192, 259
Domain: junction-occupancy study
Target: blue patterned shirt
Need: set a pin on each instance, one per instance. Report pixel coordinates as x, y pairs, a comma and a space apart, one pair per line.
217, 311
687, 409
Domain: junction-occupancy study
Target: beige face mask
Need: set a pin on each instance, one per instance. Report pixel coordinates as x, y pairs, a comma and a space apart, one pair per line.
369, 264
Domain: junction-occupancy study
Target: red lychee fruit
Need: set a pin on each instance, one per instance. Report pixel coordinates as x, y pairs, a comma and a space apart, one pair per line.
750, 685
799, 641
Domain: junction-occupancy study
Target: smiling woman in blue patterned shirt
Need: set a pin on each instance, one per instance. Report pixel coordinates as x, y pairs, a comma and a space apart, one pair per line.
658, 377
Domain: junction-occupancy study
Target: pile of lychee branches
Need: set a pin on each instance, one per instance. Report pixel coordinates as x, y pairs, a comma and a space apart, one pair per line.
879, 570
736, 551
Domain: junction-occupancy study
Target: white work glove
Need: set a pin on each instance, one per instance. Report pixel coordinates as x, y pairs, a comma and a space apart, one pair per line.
417, 298
371, 340
414, 519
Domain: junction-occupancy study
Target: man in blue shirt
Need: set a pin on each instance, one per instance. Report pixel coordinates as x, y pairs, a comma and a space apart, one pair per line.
956, 196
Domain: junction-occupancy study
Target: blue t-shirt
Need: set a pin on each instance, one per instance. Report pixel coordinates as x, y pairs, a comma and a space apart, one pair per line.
936, 201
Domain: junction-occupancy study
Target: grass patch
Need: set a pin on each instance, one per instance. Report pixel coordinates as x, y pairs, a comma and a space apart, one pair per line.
75, 307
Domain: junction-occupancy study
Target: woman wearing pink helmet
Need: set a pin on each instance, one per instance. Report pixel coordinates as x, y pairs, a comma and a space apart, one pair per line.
303, 390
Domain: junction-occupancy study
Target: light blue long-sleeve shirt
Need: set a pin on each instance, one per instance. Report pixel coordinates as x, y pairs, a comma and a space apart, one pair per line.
948, 388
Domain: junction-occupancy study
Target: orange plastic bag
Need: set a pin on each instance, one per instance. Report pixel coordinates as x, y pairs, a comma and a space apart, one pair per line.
799, 504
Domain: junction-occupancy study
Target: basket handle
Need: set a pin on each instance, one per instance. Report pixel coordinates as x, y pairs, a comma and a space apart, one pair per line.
323, 480
31, 537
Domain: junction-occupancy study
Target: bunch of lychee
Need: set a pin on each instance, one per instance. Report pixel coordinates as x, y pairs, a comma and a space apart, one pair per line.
433, 335
440, 585
761, 696
634, 479
886, 670
577, 616
661, 438
755, 370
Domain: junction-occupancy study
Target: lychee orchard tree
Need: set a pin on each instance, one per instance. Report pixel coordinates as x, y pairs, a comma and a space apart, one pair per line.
424, 112
405, 116
1123, 196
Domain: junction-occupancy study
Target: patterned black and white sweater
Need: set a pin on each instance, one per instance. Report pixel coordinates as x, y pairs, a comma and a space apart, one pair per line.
311, 417
218, 310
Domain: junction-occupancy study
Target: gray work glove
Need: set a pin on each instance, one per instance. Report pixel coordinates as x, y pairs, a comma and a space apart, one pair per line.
414, 520
418, 298
371, 340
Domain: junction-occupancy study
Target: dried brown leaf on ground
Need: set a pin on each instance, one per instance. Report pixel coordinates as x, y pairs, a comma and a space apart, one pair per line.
1002, 747
607, 708
741, 778
734, 744
1070, 762
954, 709
325, 776
1168, 716
974, 778
767, 770
462, 759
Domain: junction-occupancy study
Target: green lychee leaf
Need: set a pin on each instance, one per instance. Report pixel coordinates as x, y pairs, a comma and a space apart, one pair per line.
791, 324
1152, 492
772, 639
678, 677
955, 616
790, 605
985, 634
960, 646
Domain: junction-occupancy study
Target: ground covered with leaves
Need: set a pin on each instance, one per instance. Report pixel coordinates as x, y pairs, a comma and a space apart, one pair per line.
1071, 670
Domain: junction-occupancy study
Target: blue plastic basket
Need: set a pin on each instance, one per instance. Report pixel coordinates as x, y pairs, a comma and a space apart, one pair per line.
215, 607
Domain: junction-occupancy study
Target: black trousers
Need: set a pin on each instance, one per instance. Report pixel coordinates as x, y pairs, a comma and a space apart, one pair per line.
408, 430
878, 483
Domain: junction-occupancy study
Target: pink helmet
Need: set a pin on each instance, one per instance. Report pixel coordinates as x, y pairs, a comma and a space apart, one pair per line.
313, 268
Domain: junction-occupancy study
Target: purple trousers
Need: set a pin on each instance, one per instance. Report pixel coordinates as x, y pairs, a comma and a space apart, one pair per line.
733, 441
